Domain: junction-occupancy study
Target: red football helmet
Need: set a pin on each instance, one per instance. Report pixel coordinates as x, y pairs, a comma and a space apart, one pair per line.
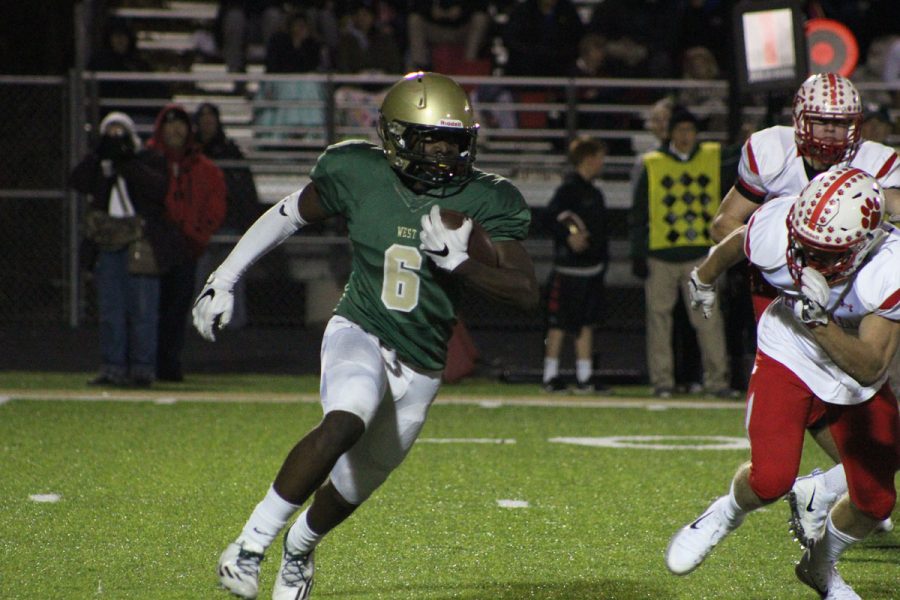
834, 224
827, 97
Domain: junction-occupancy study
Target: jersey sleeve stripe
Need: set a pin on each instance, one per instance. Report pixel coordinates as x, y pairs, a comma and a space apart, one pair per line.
886, 168
751, 158
749, 192
891, 301
747, 237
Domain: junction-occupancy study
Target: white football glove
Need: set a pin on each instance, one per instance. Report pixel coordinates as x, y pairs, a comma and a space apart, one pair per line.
448, 248
214, 306
703, 295
811, 306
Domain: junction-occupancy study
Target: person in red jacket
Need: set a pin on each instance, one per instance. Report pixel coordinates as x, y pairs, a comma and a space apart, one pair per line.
196, 203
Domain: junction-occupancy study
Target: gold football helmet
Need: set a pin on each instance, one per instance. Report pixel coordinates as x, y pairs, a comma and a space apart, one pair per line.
424, 108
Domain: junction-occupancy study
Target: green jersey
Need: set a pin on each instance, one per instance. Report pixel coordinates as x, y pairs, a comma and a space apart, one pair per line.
394, 291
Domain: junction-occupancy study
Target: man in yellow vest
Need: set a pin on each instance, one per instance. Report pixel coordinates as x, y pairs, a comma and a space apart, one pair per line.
675, 200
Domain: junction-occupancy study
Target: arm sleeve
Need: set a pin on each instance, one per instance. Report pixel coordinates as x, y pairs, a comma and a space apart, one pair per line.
271, 229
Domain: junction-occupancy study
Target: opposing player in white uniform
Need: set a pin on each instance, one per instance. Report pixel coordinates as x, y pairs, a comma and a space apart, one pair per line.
780, 161
829, 336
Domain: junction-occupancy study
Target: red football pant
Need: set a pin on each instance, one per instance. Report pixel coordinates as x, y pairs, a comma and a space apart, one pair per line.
867, 437
762, 294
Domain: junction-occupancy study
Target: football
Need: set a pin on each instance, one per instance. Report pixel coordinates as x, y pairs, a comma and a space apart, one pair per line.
480, 246
572, 222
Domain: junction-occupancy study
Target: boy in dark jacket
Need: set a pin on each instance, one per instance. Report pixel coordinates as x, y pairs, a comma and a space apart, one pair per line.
577, 216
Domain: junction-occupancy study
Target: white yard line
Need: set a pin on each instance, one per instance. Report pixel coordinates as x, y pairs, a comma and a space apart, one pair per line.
169, 397
466, 441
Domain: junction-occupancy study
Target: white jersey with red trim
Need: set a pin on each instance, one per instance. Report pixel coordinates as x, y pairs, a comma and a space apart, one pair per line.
771, 167
875, 288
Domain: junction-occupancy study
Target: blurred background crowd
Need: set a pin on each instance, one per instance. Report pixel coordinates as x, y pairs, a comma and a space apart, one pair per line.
273, 109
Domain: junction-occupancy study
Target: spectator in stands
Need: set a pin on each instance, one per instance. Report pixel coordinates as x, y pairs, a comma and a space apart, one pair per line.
363, 47
242, 199
699, 64
433, 22
125, 186
577, 218
891, 72
541, 37
876, 124
119, 52
655, 134
641, 35
706, 23
591, 63
244, 23
296, 50
196, 203
676, 198
872, 69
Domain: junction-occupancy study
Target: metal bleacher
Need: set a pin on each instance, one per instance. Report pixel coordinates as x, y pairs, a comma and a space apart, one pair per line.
532, 156
530, 153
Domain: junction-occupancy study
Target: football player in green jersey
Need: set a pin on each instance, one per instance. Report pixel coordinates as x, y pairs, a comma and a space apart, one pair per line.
385, 346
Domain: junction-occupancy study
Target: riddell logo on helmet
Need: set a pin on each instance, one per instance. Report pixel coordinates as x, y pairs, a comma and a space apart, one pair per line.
450, 123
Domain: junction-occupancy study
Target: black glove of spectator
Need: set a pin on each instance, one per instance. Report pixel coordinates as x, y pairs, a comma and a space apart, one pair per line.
639, 267
116, 148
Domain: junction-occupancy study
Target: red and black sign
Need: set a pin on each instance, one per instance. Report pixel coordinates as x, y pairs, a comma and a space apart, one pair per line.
831, 46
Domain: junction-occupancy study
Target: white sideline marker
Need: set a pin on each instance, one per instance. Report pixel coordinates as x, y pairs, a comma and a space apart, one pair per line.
512, 503
490, 404
44, 498
659, 442
166, 400
467, 440
4, 399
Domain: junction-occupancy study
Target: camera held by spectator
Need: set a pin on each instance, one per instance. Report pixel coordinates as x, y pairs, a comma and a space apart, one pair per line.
116, 146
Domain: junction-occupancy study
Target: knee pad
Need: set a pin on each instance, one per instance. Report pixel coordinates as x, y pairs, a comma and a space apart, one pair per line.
357, 478
354, 388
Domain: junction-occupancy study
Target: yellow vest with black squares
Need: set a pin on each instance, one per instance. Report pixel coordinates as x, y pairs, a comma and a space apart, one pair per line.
683, 197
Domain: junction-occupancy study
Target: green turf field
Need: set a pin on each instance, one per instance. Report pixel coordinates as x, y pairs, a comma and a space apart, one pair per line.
152, 489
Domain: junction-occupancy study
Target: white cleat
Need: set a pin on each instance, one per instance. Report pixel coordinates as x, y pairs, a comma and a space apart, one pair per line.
239, 568
824, 580
810, 503
885, 526
693, 542
295, 577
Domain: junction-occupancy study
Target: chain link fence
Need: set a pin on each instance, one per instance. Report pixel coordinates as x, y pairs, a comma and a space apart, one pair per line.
49, 122
34, 210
